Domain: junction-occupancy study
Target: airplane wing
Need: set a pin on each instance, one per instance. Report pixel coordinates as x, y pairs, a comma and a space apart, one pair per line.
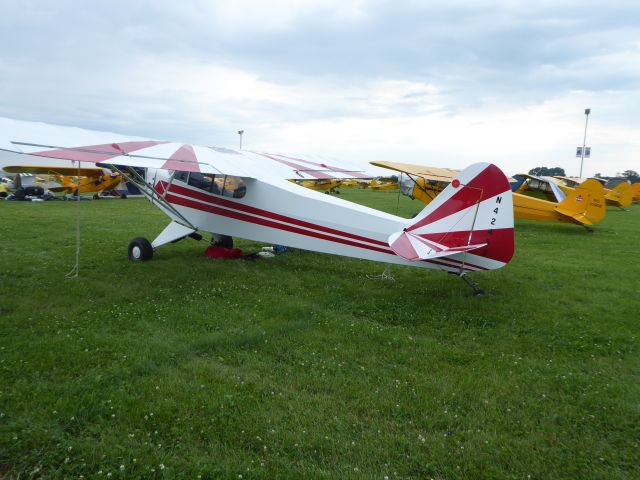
429, 173
312, 167
80, 145
436, 174
65, 171
543, 183
528, 175
559, 194
571, 181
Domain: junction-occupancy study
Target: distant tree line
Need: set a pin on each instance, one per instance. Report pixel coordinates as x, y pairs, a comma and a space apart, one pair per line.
547, 172
631, 175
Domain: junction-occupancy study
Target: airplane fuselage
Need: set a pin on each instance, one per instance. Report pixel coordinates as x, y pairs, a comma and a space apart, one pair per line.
280, 212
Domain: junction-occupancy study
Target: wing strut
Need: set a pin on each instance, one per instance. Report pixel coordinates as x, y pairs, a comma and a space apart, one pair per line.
148, 191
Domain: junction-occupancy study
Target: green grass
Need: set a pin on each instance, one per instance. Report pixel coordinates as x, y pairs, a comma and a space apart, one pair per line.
304, 365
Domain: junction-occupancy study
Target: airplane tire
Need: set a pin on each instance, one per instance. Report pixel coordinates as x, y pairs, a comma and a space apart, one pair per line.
140, 250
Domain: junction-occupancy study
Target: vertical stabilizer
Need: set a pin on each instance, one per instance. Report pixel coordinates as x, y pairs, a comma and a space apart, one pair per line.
470, 221
585, 203
621, 195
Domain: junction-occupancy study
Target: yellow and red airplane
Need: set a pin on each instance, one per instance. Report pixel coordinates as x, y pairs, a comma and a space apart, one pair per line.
584, 206
73, 180
620, 196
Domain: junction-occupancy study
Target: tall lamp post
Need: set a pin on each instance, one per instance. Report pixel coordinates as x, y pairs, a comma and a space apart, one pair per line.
584, 140
240, 132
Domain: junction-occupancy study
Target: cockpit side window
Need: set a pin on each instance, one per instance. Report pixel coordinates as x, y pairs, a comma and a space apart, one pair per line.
233, 187
225, 185
182, 176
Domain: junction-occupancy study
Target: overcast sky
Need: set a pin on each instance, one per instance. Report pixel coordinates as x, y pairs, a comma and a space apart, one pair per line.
436, 83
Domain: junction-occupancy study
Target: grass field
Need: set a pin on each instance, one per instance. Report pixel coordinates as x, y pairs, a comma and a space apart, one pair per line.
304, 365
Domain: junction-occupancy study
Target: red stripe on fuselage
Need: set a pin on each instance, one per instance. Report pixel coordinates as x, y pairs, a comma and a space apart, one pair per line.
216, 200
265, 222
195, 195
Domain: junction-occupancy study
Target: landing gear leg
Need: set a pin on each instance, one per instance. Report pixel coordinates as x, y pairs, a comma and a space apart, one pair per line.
477, 291
588, 228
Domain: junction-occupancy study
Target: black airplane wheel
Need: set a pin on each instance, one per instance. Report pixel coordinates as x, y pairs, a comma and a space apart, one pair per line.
140, 250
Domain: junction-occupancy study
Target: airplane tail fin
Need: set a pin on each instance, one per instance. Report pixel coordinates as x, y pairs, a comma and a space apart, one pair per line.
468, 226
622, 195
585, 203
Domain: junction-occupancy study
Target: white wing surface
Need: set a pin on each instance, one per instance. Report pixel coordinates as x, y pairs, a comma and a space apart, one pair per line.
68, 144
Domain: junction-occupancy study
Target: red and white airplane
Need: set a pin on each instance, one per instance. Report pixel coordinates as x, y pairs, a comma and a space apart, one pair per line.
229, 193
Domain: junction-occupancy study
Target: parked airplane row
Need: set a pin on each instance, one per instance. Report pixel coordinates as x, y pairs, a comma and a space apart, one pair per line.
548, 199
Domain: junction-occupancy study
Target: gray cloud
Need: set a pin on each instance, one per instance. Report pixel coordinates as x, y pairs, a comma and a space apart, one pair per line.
151, 67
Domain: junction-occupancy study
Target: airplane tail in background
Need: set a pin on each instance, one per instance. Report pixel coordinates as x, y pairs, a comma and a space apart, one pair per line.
585, 203
469, 223
621, 195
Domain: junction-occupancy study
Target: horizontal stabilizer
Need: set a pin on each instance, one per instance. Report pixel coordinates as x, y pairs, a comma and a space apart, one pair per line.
413, 247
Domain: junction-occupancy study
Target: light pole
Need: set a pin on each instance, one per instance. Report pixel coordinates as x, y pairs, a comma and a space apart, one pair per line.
584, 140
240, 132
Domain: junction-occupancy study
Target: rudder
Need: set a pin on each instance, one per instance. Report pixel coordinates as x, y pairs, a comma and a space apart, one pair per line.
471, 219
585, 203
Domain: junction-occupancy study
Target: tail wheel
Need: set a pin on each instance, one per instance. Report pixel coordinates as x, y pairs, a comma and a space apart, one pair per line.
140, 250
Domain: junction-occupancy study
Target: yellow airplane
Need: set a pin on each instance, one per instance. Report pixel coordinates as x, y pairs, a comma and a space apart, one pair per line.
585, 206
635, 192
620, 196
383, 184
74, 180
321, 185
